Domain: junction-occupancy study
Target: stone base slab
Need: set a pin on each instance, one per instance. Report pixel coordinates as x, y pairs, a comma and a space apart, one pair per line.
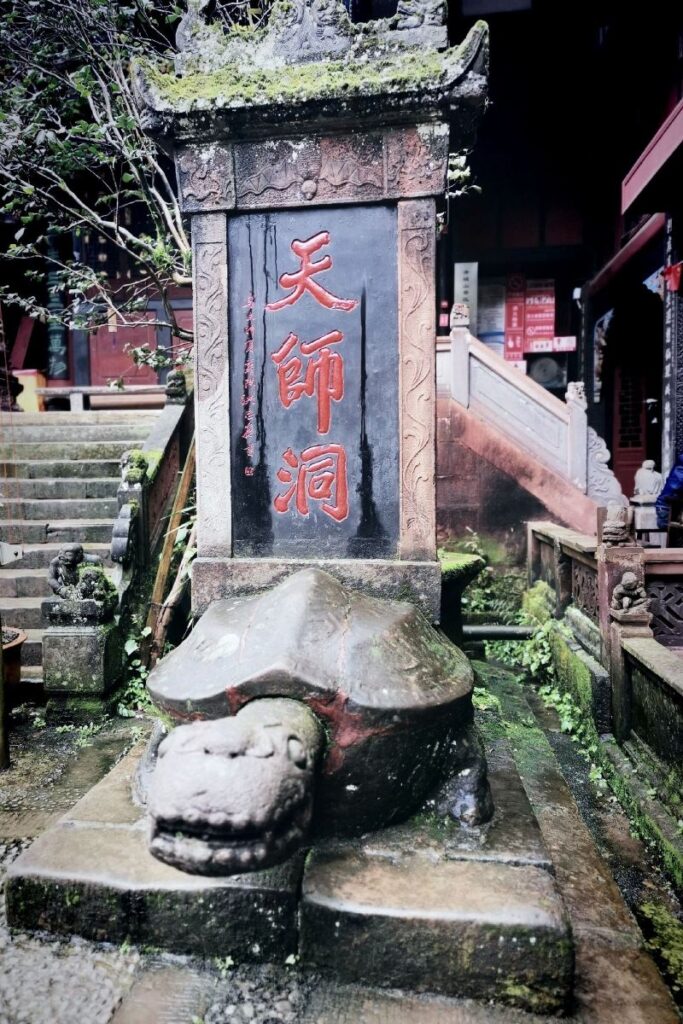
476, 911
419, 582
81, 659
425, 905
459, 928
91, 875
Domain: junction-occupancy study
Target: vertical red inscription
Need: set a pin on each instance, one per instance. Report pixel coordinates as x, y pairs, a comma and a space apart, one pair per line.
319, 474
248, 385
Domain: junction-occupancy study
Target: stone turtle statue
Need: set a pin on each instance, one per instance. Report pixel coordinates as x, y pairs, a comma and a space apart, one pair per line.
314, 711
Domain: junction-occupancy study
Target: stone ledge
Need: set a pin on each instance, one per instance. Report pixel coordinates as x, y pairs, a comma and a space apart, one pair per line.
656, 658
419, 582
482, 930
92, 875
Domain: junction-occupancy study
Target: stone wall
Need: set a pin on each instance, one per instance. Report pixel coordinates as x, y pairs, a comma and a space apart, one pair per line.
472, 492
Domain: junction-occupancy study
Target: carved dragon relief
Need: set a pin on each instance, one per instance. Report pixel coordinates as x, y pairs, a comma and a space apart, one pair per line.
602, 486
212, 384
205, 178
416, 327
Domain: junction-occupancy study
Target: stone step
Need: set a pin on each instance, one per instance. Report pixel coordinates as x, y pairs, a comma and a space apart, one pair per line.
39, 556
40, 469
24, 583
22, 612
79, 450
474, 915
64, 487
78, 419
29, 531
32, 674
32, 651
20, 433
59, 508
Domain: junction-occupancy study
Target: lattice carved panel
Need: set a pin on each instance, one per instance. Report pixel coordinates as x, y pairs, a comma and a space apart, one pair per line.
666, 606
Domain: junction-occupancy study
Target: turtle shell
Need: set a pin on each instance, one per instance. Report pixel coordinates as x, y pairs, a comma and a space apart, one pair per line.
393, 695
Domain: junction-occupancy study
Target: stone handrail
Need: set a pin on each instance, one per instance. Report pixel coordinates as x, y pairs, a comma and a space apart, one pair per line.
658, 660
149, 476
554, 432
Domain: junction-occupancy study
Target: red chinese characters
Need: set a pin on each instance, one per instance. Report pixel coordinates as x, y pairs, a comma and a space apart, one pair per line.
323, 376
318, 474
314, 369
301, 280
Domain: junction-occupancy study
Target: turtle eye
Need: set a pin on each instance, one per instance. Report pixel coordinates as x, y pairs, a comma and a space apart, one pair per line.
296, 752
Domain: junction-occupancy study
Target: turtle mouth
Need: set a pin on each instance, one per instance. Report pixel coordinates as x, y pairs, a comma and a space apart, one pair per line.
221, 849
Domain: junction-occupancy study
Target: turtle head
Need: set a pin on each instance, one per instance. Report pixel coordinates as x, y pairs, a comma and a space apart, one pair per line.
235, 794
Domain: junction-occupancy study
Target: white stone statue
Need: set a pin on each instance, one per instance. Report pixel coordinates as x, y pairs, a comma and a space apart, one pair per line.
648, 483
576, 392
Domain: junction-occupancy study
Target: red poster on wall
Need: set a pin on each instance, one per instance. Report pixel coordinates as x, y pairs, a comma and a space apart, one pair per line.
539, 313
515, 291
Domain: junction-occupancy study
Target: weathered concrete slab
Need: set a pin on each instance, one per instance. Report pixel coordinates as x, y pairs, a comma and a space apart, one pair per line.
22, 469
91, 875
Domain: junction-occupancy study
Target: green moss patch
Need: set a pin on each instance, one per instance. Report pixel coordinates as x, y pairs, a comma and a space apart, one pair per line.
244, 84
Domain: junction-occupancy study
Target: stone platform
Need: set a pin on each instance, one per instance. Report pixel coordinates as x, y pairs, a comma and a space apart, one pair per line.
426, 905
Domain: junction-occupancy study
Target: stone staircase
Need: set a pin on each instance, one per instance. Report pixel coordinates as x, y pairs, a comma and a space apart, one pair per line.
501, 416
59, 473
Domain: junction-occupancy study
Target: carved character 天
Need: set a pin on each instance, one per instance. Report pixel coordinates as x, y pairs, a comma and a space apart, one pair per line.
323, 375
319, 474
302, 280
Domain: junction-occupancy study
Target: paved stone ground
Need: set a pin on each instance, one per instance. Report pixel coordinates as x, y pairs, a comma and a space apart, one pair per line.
48, 981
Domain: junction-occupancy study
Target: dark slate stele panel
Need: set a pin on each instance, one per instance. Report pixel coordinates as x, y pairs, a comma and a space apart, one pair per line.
293, 448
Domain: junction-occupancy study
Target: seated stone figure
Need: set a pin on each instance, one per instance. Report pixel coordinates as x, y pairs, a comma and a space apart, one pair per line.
648, 482
629, 595
63, 573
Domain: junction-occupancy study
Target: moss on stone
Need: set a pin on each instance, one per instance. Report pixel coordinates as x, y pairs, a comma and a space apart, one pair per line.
666, 939
458, 567
245, 85
538, 602
627, 792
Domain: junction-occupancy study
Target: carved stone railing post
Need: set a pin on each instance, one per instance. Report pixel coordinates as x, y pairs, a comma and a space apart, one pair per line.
82, 654
619, 556
577, 437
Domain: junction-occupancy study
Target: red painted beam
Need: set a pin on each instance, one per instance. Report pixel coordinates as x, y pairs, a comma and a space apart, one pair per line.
650, 228
658, 151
